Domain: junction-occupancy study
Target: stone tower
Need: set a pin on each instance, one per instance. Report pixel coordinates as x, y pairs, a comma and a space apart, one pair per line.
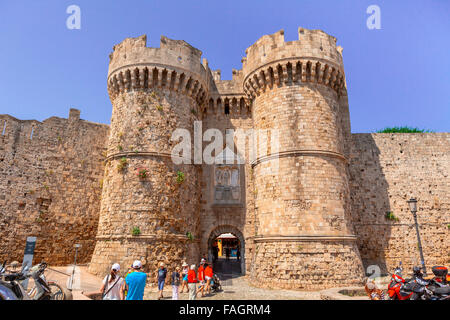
304, 236
150, 204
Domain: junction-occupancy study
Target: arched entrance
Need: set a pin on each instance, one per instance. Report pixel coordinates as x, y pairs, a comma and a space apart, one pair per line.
236, 241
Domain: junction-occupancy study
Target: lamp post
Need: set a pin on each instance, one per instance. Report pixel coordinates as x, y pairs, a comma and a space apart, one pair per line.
413, 207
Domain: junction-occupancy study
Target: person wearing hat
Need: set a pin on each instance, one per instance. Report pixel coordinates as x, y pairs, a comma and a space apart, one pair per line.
184, 277
176, 279
112, 285
135, 282
201, 277
162, 272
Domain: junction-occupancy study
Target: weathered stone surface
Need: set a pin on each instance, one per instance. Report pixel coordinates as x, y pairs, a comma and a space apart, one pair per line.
310, 211
50, 184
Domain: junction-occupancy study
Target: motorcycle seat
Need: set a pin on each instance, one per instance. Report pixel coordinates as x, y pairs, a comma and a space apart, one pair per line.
14, 276
442, 290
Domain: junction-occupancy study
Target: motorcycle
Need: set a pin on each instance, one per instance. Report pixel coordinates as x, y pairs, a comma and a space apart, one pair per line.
439, 285
11, 287
418, 288
395, 286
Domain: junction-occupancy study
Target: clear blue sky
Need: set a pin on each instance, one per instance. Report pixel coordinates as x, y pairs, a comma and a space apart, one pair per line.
399, 75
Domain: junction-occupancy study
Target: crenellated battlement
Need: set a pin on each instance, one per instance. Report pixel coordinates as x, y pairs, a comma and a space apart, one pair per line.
273, 62
175, 65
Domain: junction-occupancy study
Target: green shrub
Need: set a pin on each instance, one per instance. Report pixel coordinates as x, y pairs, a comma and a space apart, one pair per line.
122, 164
180, 177
390, 216
136, 231
190, 236
404, 129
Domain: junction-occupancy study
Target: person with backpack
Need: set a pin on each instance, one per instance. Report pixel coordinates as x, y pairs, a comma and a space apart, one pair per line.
176, 280
162, 272
112, 285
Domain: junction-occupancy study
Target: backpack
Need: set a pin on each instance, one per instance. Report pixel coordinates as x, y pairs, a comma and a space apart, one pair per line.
175, 279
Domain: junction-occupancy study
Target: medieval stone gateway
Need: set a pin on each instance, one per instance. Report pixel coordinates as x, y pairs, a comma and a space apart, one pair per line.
309, 210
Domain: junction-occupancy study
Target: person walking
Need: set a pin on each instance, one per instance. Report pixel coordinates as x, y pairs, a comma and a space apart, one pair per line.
201, 277
215, 253
176, 280
135, 282
112, 285
192, 283
227, 253
238, 254
162, 272
184, 275
208, 277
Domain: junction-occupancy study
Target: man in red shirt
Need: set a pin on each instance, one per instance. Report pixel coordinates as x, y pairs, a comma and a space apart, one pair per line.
201, 277
192, 283
208, 277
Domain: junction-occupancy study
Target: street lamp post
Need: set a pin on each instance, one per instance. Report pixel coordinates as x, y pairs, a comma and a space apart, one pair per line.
413, 207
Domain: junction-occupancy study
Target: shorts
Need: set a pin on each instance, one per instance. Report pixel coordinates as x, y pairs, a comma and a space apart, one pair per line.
161, 284
207, 278
185, 278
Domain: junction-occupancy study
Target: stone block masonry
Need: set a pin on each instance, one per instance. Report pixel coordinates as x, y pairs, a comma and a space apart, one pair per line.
51, 176
385, 171
310, 212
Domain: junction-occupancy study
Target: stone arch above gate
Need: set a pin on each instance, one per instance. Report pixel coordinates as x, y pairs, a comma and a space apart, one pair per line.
228, 229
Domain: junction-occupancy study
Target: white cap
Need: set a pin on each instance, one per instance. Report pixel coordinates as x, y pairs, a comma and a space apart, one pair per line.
137, 264
115, 267
203, 260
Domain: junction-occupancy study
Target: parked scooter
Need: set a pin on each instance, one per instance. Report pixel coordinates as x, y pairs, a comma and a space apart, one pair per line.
418, 288
11, 287
439, 285
396, 284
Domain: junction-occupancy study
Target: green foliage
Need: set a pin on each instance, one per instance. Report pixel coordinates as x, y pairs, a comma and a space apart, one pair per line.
193, 111
403, 129
390, 216
180, 177
158, 107
142, 173
120, 147
136, 231
190, 236
122, 164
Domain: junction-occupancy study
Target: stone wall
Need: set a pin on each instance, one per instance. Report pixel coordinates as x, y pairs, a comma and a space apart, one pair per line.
385, 171
228, 110
50, 184
154, 92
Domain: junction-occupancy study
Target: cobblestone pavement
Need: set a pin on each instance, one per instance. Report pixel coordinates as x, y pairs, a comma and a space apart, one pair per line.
234, 287
238, 288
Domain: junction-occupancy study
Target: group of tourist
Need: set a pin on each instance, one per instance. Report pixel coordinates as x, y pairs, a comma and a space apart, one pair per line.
196, 282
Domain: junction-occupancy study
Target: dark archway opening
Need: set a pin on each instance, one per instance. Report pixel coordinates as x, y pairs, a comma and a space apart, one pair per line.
226, 249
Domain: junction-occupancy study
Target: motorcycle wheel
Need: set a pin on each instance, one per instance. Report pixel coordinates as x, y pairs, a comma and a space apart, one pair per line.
57, 292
